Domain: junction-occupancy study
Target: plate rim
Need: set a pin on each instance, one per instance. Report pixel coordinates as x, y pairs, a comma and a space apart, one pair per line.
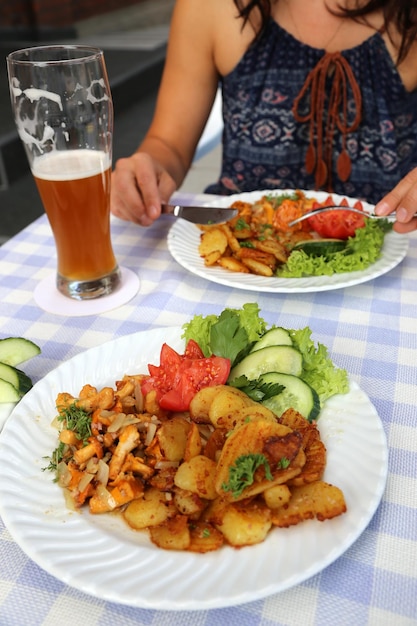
170, 604
194, 264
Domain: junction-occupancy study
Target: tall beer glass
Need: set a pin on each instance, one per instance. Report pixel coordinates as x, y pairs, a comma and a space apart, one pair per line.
63, 111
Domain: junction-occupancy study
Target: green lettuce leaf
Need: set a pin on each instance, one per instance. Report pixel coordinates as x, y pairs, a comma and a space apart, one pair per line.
318, 369
360, 252
226, 335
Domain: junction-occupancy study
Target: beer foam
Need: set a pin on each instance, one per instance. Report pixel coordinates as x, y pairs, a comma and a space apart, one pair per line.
36, 94
70, 164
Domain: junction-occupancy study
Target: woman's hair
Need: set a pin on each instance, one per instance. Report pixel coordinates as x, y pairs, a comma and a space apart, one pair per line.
402, 14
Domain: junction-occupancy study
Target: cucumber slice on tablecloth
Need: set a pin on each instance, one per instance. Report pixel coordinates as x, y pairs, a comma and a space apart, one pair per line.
16, 350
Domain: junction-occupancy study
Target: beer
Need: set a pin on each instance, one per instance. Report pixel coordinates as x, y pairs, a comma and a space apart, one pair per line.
74, 186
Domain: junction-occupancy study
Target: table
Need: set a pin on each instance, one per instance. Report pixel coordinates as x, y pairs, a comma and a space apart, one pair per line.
369, 329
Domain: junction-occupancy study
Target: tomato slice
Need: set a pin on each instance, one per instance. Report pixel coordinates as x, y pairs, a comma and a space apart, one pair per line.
193, 350
178, 377
336, 224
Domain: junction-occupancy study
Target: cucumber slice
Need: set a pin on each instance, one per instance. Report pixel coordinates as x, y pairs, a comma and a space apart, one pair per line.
274, 337
8, 393
16, 377
320, 247
15, 350
270, 359
297, 395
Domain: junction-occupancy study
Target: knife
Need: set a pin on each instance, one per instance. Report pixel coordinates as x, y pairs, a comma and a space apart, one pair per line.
199, 214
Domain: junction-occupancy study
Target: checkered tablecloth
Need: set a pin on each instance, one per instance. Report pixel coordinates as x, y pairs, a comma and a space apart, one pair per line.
370, 329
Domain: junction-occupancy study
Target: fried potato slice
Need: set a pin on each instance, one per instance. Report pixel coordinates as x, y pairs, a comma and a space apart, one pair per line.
172, 437
249, 439
188, 503
318, 500
232, 241
201, 403
277, 496
212, 245
313, 447
151, 510
257, 267
215, 443
173, 534
193, 445
255, 254
225, 405
197, 475
245, 523
233, 265
254, 412
204, 537
314, 466
273, 247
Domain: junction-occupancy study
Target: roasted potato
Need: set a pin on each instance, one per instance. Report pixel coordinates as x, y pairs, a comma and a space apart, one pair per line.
197, 475
315, 500
212, 246
151, 510
247, 440
173, 534
204, 537
172, 437
245, 524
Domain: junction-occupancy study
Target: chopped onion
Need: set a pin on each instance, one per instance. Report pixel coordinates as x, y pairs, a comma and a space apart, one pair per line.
56, 423
150, 433
85, 481
92, 465
166, 464
117, 423
131, 419
205, 430
69, 500
63, 474
102, 472
122, 420
106, 496
138, 395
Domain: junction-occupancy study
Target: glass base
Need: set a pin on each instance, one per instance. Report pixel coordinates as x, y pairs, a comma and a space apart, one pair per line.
89, 289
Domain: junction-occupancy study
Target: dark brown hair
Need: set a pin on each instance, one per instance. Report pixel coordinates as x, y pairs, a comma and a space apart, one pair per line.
402, 14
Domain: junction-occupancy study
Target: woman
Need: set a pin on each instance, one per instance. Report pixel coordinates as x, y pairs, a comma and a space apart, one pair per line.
316, 95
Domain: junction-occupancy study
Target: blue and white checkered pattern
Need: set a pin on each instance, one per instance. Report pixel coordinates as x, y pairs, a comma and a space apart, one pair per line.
370, 330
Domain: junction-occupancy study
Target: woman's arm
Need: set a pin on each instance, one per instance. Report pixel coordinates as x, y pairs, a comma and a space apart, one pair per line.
185, 98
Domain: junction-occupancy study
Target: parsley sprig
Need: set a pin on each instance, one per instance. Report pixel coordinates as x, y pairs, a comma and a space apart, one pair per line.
256, 389
242, 473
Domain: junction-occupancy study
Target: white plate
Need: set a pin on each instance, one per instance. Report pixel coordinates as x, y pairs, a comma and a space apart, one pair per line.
101, 556
184, 237
6, 409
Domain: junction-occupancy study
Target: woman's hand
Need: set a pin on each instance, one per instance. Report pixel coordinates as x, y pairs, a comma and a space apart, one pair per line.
139, 185
403, 200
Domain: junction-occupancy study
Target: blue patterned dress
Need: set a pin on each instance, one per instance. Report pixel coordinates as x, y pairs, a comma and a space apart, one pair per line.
266, 142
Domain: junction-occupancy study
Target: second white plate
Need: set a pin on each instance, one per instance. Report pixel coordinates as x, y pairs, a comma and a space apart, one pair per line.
184, 237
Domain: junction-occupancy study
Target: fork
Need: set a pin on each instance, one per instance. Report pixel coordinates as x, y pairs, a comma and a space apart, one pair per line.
390, 217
